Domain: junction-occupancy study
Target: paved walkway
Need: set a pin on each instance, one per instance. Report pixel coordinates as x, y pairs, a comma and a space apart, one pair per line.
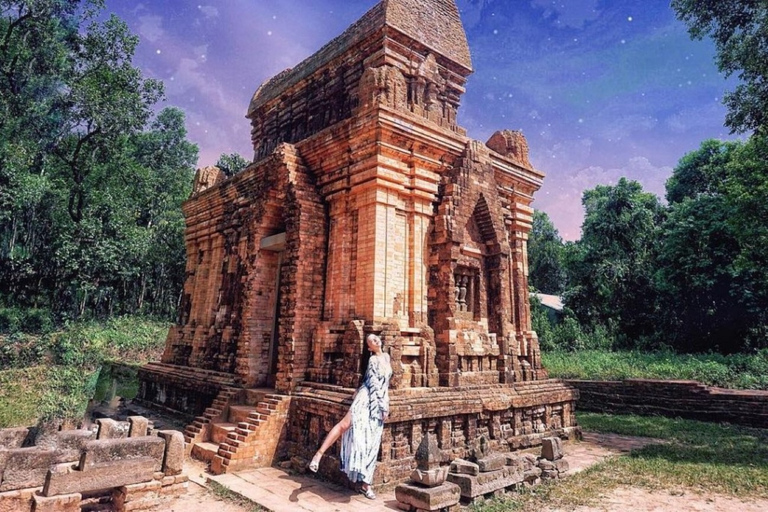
280, 491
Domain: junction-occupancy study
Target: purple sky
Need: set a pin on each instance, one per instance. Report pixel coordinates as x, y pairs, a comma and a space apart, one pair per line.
601, 88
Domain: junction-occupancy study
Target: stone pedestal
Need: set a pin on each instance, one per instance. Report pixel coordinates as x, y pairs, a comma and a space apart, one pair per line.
443, 498
485, 483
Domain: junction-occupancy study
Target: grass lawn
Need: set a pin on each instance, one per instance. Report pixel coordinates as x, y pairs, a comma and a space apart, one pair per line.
53, 376
738, 371
28, 395
700, 457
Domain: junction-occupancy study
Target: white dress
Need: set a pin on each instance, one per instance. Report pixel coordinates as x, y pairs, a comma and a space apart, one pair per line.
360, 444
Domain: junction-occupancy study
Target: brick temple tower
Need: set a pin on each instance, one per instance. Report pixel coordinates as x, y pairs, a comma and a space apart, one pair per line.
367, 209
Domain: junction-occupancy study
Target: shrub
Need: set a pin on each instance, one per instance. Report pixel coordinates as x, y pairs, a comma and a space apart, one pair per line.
19, 350
9, 320
37, 321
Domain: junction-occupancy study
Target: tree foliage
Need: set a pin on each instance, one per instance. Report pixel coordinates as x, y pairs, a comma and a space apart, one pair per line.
739, 29
712, 265
90, 183
545, 256
232, 164
611, 268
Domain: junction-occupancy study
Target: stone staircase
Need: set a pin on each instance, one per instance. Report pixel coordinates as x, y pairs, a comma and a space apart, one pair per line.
242, 428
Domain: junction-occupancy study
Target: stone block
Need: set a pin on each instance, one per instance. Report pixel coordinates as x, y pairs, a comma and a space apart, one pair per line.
484, 483
24, 467
532, 475
549, 474
529, 461
96, 452
17, 501
63, 503
515, 461
173, 459
432, 498
562, 466
108, 429
139, 426
12, 438
552, 448
69, 444
64, 479
492, 462
430, 478
464, 467
546, 465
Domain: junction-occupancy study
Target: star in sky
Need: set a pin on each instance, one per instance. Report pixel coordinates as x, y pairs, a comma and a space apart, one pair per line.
601, 88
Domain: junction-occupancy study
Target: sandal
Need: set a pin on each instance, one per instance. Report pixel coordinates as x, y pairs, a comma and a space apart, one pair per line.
315, 464
368, 493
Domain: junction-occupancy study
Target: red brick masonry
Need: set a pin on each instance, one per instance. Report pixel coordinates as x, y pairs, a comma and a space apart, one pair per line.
674, 398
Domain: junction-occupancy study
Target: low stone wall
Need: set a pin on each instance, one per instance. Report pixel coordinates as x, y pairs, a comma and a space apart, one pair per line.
120, 464
511, 417
674, 398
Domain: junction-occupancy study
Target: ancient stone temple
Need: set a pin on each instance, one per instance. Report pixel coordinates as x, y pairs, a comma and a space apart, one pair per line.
367, 209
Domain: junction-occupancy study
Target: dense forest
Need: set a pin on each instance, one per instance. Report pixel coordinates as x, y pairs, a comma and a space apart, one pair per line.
93, 174
691, 274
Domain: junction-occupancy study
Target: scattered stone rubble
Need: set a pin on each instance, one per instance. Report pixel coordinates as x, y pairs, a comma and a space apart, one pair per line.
120, 466
435, 488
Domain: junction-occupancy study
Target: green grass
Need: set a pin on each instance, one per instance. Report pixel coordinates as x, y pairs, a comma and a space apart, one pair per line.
695, 456
739, 371
44, 393
52, 376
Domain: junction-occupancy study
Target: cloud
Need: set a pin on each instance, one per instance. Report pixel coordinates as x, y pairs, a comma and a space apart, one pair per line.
699, 117
574, 13
209, 11
151, 27
560, 197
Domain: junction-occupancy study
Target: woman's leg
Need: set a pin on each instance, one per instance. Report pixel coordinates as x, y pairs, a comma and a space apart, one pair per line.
331, 438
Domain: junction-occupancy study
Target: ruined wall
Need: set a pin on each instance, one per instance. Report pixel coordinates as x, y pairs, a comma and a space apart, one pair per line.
677, 399
120, 466
510, 420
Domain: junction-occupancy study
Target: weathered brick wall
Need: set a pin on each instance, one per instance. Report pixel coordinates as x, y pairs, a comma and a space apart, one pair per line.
510, 418
684, 399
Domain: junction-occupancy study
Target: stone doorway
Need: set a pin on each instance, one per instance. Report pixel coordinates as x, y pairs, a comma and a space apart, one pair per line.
273, 248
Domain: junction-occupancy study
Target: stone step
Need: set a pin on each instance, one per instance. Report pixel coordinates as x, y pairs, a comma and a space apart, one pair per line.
239, 413
254, 396
219, 431
205, 451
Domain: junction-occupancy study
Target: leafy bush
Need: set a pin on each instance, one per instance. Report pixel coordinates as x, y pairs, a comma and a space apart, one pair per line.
20, 350
9, 320
37, 321
568, 334
125, 339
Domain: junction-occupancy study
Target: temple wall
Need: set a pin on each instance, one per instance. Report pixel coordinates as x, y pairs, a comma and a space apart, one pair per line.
367, 210
511, 420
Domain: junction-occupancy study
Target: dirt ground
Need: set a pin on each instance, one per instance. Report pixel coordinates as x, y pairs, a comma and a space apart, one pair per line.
593, 449
632, 499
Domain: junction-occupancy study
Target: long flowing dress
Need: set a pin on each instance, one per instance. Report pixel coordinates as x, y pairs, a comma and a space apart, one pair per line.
360, 444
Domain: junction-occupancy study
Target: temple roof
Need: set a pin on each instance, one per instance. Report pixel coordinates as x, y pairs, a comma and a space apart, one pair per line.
434, 23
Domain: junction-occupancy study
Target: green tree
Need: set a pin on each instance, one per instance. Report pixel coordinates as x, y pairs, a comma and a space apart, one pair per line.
712, 264
701, 171
739, 29
90, 195
232, 164
545, 256
611, 269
